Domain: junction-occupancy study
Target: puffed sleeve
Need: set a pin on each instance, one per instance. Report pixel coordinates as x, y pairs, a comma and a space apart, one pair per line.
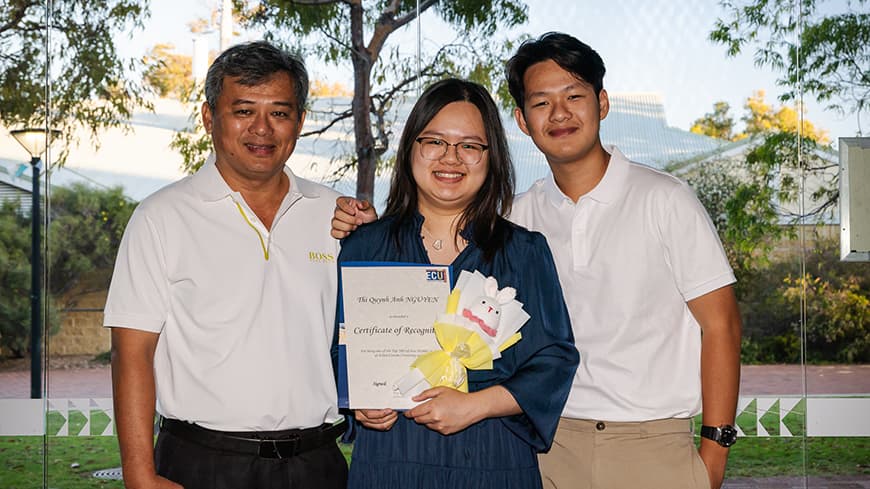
546, 357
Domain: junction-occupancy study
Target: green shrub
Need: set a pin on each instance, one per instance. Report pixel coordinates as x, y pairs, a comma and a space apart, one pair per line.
86, 225
837, 314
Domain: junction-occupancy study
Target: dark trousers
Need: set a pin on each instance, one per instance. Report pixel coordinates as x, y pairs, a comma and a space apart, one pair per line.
197, 467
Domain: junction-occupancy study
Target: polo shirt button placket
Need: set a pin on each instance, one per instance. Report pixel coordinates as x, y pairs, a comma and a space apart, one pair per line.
579, 236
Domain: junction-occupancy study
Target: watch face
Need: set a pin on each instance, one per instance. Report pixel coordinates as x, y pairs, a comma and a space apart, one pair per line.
728, 435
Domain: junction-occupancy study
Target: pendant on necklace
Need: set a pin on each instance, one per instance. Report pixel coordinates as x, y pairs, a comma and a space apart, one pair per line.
437, 244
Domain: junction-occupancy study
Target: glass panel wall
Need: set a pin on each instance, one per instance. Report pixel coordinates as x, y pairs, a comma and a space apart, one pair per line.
23, 192
681, 104
760, 147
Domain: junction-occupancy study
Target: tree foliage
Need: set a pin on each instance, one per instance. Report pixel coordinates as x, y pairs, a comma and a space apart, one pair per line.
86, 225
14, 280
168, 73
359, 33
837, 313
717, 124
819, 47
748, 198
90, 83
760, 118
785, 175
751, 195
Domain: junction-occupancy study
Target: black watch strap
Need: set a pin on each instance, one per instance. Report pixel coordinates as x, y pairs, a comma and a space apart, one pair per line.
725, 435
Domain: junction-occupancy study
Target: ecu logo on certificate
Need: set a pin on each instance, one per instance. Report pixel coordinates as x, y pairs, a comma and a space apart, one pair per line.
386, 321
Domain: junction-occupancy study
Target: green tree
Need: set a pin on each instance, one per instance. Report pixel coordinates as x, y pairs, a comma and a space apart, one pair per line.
747, 197
14, 279
752, 198
717, 124
89, 223
69, 46
760, 118
751, 195
763, 118
168, 73
359, 32
835, 298
819, 47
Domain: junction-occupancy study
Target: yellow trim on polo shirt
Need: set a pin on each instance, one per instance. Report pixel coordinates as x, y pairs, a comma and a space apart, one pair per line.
262, 242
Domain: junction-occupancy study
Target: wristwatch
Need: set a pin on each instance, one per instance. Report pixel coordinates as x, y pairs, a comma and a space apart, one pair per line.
725, 435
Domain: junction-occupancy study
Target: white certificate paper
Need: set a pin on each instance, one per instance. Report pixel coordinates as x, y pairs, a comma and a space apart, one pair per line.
389, 311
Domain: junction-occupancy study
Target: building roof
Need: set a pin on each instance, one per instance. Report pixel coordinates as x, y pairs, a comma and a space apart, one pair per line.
801, 210
142, 162
636, 124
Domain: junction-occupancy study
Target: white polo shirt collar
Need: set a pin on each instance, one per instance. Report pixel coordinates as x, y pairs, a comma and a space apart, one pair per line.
608, 190
210, 186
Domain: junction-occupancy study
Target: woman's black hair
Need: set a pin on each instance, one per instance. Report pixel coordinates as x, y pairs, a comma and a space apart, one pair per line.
493, 201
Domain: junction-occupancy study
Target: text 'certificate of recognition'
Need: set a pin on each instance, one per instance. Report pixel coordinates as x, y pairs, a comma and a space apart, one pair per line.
389, 315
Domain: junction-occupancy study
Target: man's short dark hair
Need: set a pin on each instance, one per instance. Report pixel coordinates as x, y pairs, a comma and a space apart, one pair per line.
254, 63
568, 52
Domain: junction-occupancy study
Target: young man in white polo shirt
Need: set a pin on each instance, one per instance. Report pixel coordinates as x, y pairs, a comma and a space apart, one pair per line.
648, 288
222, 302
646, 281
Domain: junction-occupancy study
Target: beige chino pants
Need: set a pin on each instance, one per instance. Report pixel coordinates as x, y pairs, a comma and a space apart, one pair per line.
605, 455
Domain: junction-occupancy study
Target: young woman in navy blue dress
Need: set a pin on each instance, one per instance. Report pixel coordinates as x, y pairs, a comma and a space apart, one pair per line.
451, 186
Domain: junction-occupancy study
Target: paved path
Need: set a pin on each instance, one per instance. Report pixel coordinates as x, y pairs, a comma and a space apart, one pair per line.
758, 380
62, 383
856, 482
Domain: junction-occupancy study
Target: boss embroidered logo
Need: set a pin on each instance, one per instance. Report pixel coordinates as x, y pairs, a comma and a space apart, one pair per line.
316, 257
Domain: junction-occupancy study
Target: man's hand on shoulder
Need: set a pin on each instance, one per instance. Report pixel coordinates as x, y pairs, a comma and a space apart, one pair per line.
349, 214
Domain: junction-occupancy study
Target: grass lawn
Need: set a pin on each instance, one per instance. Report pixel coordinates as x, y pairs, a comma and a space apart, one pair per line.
72, 460
769, 457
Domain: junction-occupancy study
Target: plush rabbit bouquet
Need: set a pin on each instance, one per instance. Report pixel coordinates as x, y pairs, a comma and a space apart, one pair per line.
479, 323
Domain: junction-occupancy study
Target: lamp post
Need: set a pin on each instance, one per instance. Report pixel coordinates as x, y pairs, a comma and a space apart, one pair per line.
35, 141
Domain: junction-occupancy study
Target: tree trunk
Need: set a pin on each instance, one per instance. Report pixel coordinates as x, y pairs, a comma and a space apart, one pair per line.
362, 128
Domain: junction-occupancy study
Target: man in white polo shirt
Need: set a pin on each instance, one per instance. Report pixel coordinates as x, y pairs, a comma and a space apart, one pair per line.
646, 281
222, 302
648, 288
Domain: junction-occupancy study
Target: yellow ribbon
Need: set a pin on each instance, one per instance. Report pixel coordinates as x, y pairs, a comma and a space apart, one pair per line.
461, 349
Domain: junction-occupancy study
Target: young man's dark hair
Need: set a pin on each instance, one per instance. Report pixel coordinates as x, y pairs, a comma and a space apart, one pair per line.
253, 63
571, 54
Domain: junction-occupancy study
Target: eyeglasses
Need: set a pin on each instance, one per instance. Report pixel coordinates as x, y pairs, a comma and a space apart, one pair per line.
466, 152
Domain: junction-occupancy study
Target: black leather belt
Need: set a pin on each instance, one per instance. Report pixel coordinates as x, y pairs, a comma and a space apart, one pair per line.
267, 445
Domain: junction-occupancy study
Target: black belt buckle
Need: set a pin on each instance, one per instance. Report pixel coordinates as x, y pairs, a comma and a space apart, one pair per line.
279, 448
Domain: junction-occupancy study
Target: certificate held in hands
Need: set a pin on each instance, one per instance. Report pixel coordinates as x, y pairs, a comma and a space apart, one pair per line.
388, 311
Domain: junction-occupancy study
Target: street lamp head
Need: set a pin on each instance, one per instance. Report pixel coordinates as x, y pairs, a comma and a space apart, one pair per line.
35, 140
